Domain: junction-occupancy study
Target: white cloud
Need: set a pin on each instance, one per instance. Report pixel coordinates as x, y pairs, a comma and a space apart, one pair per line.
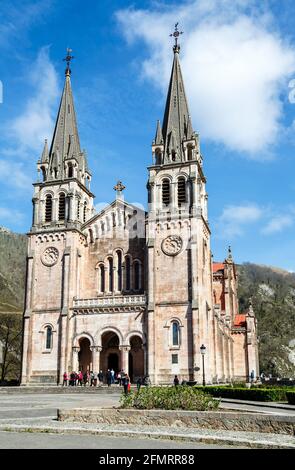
36, 121
14, 174
234, 219
9, 215
278, 224
234, 65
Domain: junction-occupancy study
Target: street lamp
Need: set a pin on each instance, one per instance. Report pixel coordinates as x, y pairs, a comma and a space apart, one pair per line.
203, 352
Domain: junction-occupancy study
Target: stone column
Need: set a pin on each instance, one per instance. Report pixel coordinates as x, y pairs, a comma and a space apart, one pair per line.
64, 313
96, 350
125, 348
75, 363
27, 328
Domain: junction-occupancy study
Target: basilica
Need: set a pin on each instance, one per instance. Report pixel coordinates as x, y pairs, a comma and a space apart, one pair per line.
124, 288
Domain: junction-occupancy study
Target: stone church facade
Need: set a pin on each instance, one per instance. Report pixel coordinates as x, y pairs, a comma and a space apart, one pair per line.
124, 288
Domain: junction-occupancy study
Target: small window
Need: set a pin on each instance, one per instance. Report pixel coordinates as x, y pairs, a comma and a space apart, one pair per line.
78, 210
119, 272
111, 277
128, 273
136, 275
175, 333
48, 208
102, 279
70, 172
48, 337
174, 358
84, 212
166, 192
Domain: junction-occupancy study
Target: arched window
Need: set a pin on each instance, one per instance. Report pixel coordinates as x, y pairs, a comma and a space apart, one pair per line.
189, 152
119, 271
136, 275
43, 173
166, 192
84, 211
48, 208
62, 206
70, 171
111, 277
158, 156
102, 279
128, 273
175, 333
181, 191
48, 344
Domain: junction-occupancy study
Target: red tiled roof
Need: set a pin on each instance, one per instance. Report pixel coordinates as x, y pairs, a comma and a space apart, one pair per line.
218, 267
240, 320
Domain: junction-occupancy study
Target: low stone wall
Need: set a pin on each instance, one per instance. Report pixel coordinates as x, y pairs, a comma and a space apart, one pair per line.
232, 421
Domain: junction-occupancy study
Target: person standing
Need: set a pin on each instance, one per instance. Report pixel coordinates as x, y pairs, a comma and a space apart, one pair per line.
176, 381
80, 378
113, 375
100, 378
126, 384
91, 378
139, 383
65, 379
109, 378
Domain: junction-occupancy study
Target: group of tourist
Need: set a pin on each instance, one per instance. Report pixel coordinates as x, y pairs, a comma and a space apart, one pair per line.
94, 379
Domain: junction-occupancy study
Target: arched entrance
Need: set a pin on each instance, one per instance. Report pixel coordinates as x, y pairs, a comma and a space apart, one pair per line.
84, 355
136, 358
110, 354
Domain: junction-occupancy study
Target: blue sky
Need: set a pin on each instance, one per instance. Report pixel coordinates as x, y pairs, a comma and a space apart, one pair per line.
238, 62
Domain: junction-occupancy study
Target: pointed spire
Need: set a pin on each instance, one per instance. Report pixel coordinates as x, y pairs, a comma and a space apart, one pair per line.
176, 114
65, 143
159, 134
45, 153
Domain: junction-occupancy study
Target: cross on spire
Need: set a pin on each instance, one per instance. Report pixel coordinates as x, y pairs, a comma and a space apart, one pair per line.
68, 59
119, 188
176, 35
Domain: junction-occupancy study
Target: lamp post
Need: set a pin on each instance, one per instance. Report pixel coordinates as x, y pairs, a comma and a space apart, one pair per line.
203, 352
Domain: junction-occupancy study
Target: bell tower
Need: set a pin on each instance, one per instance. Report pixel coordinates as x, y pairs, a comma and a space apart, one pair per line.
178, 242
62, 203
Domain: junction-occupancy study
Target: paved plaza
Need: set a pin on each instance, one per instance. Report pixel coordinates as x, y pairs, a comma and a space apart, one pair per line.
29, 420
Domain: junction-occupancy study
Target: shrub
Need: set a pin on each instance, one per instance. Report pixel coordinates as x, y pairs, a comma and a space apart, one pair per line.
291, 397
169, 398
255, 394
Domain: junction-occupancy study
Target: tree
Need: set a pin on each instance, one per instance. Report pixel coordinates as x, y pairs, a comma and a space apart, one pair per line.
11, 339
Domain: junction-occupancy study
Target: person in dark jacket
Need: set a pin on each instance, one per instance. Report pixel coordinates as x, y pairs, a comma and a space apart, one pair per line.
176, 381
109, 378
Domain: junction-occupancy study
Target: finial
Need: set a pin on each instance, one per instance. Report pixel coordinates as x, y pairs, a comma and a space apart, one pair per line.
176, 34
229, 252
119, 188
68, 59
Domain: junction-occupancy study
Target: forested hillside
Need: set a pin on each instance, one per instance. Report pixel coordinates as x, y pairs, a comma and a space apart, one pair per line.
273, 295
12, 270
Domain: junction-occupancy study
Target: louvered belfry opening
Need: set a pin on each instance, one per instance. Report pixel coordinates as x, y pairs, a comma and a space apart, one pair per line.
166, 192
48, 208
181, 191
62, 206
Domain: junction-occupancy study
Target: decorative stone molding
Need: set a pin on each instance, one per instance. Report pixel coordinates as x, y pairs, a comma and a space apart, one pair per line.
172, 245
51, 237
50, 256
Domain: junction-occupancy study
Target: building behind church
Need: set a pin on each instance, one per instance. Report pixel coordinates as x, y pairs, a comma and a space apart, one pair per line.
124, 288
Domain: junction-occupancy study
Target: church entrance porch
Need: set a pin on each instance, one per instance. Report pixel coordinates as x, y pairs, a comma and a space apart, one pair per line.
84, 355
136, 358
110, 354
